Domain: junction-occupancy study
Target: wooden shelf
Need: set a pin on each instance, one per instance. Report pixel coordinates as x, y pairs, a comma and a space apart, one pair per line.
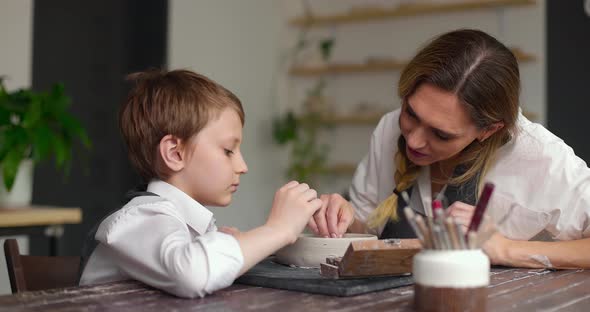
353, 119
347, 68
373, 118
360, 119
403, 10
372, 66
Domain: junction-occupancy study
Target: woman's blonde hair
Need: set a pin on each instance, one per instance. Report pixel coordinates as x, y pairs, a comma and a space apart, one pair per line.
484, 75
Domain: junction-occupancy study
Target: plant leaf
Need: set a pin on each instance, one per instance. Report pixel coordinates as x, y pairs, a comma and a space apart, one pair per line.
61, 149
38, 125
285, 128
10, 166
57, 100
42, 143
73, 128
33, 114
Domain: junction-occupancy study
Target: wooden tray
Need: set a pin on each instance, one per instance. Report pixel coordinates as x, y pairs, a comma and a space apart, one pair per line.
371, 258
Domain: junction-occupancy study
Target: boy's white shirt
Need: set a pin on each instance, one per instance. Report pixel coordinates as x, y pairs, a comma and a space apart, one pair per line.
168, 241
536, 172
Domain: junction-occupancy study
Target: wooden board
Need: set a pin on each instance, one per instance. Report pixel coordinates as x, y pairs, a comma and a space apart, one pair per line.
39, 215
374, 258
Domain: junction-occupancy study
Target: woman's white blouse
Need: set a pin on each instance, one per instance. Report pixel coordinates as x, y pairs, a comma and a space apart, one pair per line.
536, 172
168, 241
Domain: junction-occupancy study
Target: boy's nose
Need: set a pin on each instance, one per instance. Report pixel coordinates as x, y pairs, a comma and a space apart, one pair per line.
241, 166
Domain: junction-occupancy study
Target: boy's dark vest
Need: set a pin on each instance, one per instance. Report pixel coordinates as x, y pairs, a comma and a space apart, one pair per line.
466, 192
90, 242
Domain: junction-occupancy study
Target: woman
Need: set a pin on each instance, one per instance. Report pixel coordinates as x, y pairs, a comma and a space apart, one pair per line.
460, 126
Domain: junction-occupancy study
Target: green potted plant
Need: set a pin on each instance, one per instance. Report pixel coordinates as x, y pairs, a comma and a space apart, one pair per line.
34, 126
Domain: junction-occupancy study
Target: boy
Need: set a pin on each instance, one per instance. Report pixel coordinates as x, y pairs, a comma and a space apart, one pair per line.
183, 133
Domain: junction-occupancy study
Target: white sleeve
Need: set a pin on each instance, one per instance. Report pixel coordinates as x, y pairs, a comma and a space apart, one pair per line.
548, 185
159, 250
570, 189
373, 178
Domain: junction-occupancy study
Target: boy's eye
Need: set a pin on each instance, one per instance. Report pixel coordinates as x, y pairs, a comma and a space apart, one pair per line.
228, 152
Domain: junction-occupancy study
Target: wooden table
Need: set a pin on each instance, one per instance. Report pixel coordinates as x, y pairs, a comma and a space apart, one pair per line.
510, 290
34, 220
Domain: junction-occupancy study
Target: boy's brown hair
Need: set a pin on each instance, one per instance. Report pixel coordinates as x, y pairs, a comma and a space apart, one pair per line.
177, 102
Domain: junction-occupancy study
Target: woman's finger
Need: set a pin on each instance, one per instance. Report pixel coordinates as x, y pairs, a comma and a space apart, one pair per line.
320, 217
312, 226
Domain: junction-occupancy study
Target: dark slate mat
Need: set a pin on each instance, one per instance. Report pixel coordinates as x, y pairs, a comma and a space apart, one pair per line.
274, 275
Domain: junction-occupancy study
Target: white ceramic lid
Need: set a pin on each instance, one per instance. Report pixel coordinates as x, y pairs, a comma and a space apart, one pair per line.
451, 268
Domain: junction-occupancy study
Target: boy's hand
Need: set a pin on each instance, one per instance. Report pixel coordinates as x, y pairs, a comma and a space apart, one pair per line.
333, 218
293, 206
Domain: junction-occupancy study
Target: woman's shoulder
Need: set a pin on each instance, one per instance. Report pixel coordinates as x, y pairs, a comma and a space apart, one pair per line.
388, 125
535, 153
539, 173
533, 140
391, 117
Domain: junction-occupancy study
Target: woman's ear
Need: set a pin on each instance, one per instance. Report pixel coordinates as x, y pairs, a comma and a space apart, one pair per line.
490, 130
171, 152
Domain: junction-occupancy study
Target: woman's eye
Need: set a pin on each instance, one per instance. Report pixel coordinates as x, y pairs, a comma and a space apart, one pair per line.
228, 152
442, 136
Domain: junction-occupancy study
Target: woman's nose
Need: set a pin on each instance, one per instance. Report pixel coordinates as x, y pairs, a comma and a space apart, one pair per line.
417, 138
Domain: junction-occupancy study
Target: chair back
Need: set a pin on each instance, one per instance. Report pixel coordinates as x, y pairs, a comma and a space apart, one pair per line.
28, 273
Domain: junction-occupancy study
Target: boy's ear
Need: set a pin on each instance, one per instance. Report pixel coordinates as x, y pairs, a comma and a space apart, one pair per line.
171, 152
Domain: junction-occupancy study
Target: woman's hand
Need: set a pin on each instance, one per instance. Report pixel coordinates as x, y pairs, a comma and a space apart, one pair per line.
496, 248
461, 213
333, 218
230, 230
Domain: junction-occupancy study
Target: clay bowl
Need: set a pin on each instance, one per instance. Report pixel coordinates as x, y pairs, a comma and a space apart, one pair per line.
309, 250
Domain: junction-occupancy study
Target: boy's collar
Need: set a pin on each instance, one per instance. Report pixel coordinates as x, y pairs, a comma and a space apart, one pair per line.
196, 215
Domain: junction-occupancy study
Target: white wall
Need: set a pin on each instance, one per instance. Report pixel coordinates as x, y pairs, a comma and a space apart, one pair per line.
236, 43
16, 21
241, 44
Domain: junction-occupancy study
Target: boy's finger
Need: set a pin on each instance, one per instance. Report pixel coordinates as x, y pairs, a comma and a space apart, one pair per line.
285, 188
291, 184
302, 187
316, 204
310, 194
